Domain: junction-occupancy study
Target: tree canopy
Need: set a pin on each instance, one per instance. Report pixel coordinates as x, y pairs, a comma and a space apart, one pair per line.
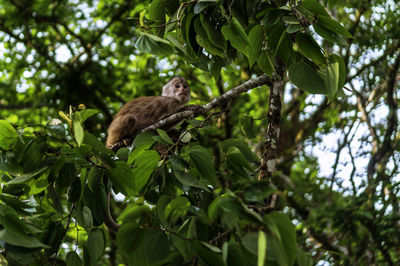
293, 161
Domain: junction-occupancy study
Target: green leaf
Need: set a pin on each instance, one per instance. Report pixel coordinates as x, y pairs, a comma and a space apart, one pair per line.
96, 244
14, 201
131, 213
290, 20
233, 254
213, 35
258, 191
26, 241
329, 35
342, 68
309, 48
242, 146
203, 163
237, 162
144, 167
236, 35
66, 176
334, 26
87, 218
74, 192
87, 113
79, 133
315, 7
250, 242
129, 238
189, 33
96, 201
176, 208
165, 136
306, 78
188, 180
265, 63
22, 178
288, 235
262, 248
73, 259
151, 44
256, 38
123, 178
209, 257
292, 28
95, 175
247, 126
201, 5
330, 74
8, 135
157, 14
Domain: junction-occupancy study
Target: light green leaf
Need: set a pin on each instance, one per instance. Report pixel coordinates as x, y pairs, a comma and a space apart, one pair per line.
262, 248
144, 167
79, 133
330, 74
8, 135
165, 136
87, 113
176, 208
329, 35
157, 14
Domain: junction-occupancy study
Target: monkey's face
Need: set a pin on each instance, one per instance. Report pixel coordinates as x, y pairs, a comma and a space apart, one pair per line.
177, 88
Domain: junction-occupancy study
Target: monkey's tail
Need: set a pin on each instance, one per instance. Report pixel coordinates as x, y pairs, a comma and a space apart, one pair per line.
108, 219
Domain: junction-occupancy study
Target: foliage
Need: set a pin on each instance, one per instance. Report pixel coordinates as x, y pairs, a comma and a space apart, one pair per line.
201, 203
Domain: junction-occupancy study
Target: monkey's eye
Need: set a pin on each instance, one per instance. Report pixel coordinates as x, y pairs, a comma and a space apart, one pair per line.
177, 85
185, 86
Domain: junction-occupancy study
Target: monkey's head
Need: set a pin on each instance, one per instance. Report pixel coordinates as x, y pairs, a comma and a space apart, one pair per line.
177, 88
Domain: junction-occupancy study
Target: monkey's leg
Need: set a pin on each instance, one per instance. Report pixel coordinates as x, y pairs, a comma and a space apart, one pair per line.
121, 128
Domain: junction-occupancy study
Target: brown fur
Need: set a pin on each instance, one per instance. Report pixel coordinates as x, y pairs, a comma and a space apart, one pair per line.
142, 112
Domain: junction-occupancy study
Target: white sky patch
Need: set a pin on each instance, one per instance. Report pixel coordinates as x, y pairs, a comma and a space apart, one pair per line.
63, 54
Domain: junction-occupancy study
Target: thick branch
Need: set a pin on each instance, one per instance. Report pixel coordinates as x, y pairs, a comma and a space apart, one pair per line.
268, 159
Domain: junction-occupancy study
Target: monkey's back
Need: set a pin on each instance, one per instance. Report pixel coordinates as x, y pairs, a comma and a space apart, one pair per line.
149, 110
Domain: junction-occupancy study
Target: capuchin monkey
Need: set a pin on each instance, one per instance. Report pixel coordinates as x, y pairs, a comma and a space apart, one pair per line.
142, 112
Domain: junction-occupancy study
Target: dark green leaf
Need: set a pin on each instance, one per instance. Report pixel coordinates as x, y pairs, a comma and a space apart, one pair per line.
157, 14
96, 244
256, 39
201, 5
123, 178
95, 175
14, 201
66, 176
96, 201
74, 192
152, 44
21, 241
73, 259
334, 26
306, 78
315, 7
176, 208
309, 48
247, 126
342, 69
258, 191
129, 238
203, 163
22, 178
329, 35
